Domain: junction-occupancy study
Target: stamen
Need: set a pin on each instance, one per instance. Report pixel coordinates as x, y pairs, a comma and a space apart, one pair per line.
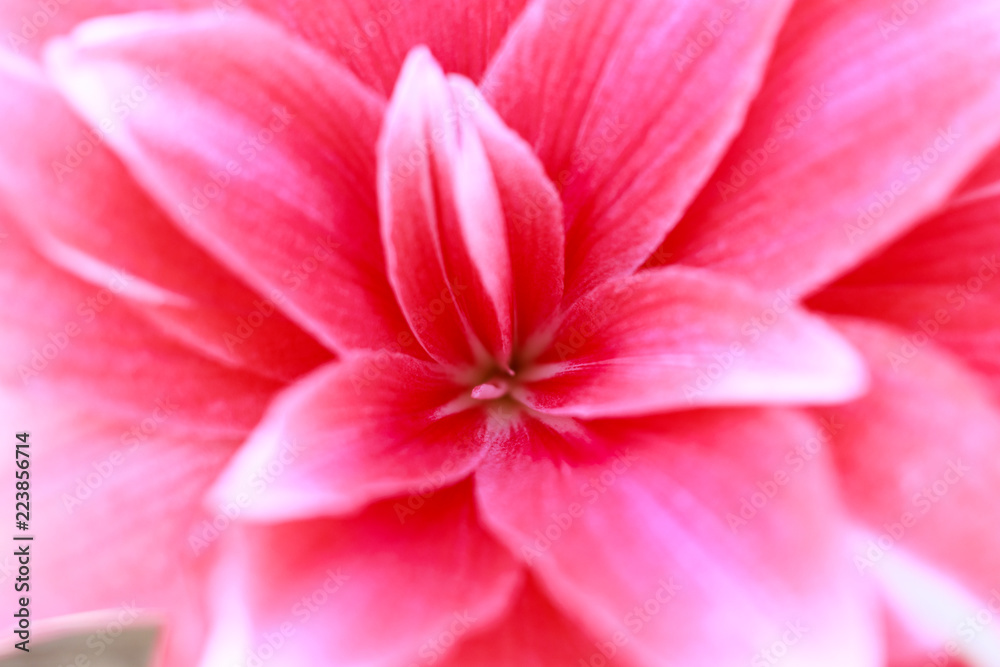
490, 390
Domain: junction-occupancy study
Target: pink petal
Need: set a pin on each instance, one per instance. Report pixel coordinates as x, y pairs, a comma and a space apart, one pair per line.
533, 212
361, 591
97, 223
931, 620
626, 126
258, 147
355, 431
442, 222
867, 120
669, 533
917, 459
107, 486
25, 25
70, 342
939, 282
141, 517
533, 633
127, 427
983, 183
373, 37
186, 630
673, 338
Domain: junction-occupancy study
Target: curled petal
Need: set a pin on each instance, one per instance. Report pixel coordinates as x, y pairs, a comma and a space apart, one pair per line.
676, 338
352, 432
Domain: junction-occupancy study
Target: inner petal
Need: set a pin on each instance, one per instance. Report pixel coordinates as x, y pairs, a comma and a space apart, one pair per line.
443, 224
471, 224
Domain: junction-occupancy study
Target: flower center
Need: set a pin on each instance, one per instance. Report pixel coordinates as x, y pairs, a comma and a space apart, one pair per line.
496, 384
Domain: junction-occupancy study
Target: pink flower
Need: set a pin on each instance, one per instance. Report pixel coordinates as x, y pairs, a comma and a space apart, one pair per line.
565, 332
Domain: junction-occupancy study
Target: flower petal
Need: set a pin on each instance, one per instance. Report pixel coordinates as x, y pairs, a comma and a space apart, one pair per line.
533, 213
373, 37
98, 224
869, 116
533, 633
70, 342
129, 490
983, 183
917, 459
443, 225
258, 147
25, 25
627, 126
675, 338
625, 524
355, 431
128, 427
932, 619
361, 591
939, 282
